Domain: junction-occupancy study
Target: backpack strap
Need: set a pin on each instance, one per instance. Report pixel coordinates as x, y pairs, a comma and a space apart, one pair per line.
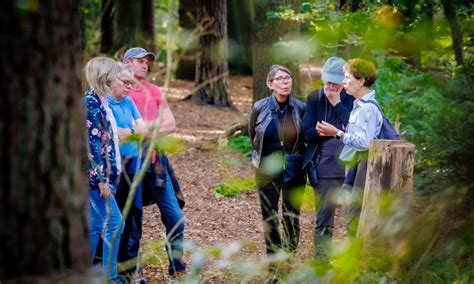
375, 103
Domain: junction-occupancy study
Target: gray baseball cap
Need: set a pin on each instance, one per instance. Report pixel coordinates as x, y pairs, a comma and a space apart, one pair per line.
137, 52
332, 70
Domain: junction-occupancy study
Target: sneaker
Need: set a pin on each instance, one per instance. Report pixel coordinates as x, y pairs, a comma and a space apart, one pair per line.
176, 277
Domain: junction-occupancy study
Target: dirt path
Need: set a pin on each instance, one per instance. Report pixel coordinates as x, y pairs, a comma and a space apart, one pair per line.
211, 221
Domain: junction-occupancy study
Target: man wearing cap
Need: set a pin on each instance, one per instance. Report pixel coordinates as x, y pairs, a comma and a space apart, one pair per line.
152, 105
148, 96
331, 104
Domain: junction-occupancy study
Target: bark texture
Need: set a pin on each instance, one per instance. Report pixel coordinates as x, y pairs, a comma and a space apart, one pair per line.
127, 23
107, 26
389, 169
211, 66
43, 178
266, 33
147, 24
456, 32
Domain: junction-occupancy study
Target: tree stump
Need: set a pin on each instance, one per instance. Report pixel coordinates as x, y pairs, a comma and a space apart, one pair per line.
389, 170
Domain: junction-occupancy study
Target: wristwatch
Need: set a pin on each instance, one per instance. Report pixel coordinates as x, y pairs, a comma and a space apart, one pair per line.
339, 134
132, 131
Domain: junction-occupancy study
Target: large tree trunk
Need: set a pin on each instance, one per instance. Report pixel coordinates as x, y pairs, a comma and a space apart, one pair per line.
127, 27
107, 26
456, 32
211, 67
268, 32
43, 178
147, 24
240, 36
187, 14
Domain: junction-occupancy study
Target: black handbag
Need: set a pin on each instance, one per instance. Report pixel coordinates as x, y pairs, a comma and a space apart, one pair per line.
311, 167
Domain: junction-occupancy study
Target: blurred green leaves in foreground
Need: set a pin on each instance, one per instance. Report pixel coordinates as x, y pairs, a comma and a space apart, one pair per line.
409, 244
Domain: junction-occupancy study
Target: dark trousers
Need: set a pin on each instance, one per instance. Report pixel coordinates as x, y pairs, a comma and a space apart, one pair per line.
355, 184
325, 204
269, 196
130, 241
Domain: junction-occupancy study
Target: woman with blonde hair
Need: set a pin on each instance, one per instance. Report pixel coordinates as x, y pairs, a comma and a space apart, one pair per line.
104, 166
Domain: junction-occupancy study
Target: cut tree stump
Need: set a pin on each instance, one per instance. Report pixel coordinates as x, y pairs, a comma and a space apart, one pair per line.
389, 169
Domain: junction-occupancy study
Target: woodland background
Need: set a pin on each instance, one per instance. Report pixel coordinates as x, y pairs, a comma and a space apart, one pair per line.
213, 57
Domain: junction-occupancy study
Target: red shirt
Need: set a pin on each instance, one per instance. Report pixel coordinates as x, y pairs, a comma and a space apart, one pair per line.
147, 96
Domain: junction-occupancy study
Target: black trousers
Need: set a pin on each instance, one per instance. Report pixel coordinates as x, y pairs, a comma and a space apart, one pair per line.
269, 192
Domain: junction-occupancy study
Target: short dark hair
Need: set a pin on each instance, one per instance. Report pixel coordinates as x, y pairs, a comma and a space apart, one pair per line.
362, 69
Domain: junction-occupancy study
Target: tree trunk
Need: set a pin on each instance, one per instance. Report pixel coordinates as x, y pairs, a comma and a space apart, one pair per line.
266, 33
187, 14
456, 32
240, 33
389, 169
127, 28
147, 25
211, 67
107, 26
43, 178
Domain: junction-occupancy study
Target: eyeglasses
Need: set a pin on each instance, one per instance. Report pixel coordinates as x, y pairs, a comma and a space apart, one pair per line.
283, 79
126, 82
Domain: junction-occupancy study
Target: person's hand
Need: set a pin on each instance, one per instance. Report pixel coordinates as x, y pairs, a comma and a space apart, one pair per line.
333, 93
105, 191
141, 128
326, 129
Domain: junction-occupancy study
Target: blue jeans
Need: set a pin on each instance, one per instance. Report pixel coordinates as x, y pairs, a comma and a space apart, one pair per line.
104, 217
173, 218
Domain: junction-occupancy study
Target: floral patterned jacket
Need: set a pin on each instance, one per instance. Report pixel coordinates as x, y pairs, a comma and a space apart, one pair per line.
101, 147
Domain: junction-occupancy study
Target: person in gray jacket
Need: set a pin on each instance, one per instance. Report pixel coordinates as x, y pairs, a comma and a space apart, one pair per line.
275, 129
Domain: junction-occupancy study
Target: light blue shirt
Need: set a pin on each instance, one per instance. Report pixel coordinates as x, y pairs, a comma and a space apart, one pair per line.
125, 113
364, 125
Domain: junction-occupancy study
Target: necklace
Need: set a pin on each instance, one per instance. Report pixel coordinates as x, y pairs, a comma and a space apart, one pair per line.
282, 111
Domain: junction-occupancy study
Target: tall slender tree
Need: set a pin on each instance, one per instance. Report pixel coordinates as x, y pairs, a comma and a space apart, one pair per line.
211, 67
43, 179
147, 24
134, 24
107, 26
449, 8
266, 33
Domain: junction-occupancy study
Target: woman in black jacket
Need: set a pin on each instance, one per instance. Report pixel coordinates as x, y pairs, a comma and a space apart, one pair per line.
275, 129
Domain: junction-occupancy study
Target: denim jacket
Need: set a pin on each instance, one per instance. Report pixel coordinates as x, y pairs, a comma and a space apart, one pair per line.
101, 147
261, 116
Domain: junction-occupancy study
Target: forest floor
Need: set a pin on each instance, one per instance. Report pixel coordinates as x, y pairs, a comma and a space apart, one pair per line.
200, 166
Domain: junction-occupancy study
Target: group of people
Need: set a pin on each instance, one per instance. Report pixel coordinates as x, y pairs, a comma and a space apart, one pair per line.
325, 140
125, 113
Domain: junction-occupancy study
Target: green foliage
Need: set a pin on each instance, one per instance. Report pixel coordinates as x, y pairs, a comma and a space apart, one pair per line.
234, 187
398, 249
240, 143
436, 114
434, 105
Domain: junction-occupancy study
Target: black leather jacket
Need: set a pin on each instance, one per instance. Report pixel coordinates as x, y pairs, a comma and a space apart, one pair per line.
261, 116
